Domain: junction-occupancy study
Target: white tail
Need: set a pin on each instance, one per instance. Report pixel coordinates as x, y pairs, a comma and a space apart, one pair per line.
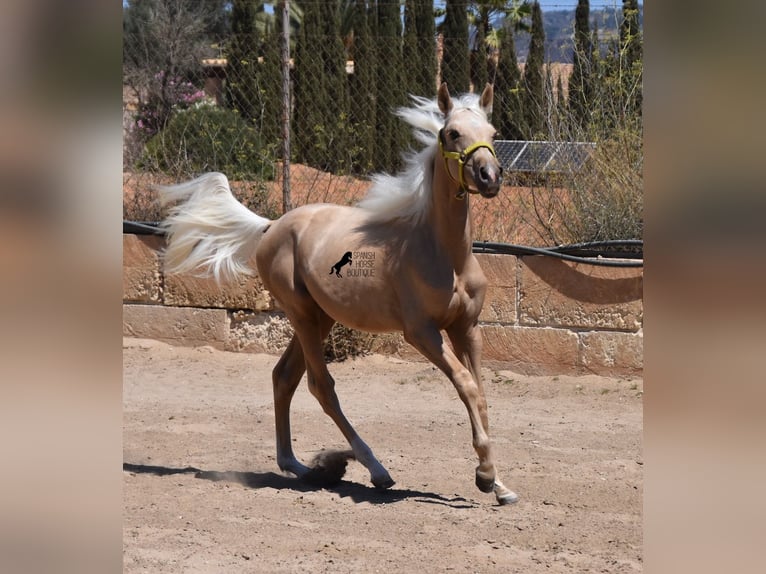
209, 232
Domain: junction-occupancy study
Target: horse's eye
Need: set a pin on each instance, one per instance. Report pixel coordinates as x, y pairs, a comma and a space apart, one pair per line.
453, 134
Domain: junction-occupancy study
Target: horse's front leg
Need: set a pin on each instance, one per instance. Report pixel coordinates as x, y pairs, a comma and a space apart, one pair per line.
465, 374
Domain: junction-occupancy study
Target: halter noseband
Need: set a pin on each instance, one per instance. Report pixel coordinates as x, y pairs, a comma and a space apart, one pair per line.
462, 158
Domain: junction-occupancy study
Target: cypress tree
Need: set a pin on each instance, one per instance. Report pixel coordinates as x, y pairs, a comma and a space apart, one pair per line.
391, 137
410, 47
631, 49
455, 58
363, 90
550, 110
336, 90
581, 79
506, 114
533, 96
242, 57
321, 90
425, 83
479, 70
271, 87
307, 86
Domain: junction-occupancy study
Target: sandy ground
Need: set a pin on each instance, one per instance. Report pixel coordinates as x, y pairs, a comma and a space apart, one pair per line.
202, 491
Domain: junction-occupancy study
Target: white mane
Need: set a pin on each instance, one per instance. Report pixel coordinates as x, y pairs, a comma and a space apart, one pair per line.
406, 195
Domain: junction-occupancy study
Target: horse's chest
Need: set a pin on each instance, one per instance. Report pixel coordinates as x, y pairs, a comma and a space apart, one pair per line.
466, 299
460, 302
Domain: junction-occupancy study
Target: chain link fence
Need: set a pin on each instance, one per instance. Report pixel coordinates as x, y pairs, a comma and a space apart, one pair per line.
207, 84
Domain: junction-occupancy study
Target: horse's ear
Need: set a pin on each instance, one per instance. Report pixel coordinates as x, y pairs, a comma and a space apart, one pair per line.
444, 99
486, 98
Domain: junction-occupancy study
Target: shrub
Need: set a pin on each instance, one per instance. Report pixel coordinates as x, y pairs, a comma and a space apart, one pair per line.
209, 138
601, 201
343, 343
140, 202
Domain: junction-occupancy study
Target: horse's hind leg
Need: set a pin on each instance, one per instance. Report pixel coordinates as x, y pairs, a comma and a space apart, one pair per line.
285, 378
311, 334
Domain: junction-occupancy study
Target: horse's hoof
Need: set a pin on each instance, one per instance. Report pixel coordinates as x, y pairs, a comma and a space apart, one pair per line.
384, 483
485, 484
508, 497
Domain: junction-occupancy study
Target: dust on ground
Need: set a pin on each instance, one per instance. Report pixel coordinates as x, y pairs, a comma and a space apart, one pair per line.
203, 493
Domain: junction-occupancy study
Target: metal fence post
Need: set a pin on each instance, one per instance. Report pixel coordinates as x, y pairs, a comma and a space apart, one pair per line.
285, 49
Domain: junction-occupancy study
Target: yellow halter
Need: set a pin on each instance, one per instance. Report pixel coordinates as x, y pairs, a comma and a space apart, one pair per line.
462, 158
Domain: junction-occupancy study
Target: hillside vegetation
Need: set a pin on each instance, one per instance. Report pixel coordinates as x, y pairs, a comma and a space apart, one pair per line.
559, 31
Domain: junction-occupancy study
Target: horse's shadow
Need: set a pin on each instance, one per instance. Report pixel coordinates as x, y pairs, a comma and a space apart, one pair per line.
355, 491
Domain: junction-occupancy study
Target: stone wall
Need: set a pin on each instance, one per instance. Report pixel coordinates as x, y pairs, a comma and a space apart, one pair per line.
541, 315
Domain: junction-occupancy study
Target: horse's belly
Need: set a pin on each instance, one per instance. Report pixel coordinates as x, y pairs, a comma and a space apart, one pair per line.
358, 298
353, 283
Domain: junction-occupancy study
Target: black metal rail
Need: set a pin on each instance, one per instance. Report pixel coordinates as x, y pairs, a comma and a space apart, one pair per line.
616, 253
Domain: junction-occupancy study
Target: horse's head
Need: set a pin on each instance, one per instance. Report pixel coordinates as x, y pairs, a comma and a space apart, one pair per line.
467, 138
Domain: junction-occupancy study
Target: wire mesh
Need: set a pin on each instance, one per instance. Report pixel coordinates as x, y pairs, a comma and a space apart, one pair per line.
203, 91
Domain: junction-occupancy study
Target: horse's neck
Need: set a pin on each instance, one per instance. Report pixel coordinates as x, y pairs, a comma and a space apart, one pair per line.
450, 217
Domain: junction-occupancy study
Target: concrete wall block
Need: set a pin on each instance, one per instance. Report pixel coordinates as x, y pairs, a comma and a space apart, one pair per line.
141, 276
499, 269
557, 293
609, 352
499, 305
183, 326
245, 293
500, 302
532, 350
540, 316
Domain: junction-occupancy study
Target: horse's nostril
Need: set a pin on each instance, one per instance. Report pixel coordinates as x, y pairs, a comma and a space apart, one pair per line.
483, 173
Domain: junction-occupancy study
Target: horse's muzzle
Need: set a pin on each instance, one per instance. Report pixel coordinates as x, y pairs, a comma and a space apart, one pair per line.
488, 177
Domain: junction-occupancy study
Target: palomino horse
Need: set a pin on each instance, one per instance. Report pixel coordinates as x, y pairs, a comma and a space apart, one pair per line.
410, 268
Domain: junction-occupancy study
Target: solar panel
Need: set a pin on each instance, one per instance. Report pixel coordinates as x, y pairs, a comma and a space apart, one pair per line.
508, 150
542, 156
570, 157
534, 157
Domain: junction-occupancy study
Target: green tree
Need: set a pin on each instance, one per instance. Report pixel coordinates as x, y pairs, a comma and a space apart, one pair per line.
271, 88
483, 15
336, 91
391, 137
425, 75
534, 94
321, 91
479, 60
163, 44
506, 114
308, 87
581, 78
363, 88
455, 58
631, 57
242, 74
410, 47
618, 84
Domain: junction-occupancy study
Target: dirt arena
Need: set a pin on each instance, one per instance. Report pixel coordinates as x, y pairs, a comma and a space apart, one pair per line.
203, 493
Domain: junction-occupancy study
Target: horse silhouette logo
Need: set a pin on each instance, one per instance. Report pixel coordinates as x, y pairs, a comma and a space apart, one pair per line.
345, 260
